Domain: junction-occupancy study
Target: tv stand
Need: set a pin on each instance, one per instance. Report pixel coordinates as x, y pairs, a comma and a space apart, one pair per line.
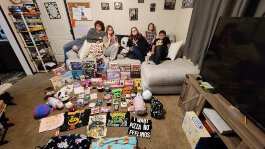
194, 98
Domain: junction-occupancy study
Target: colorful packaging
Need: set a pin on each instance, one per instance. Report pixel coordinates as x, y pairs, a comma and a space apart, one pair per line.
125, 67
57, 82
125, 75
67, 77
76, 74
97, 126
113, 74
118, 119
136, 67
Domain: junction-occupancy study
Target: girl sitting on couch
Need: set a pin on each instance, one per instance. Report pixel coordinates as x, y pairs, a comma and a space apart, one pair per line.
94, 35
110, 43
138, 45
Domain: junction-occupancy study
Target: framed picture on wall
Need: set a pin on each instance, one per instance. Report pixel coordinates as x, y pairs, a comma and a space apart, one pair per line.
105, 6
52, 10
169, 4
140, 1
118, 5
152, 7
133, 14
187, 4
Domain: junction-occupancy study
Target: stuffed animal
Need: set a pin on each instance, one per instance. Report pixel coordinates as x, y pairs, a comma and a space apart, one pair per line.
68, 89
55, 103
157, 111
61, 95
139, 105
147, 95
41, 111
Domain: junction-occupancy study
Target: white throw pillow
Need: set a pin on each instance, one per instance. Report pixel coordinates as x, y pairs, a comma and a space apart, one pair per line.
71, 54
84, 50
124, 41
173, 49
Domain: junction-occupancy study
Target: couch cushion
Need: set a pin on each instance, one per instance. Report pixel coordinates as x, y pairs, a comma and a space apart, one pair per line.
167, 73
126, 61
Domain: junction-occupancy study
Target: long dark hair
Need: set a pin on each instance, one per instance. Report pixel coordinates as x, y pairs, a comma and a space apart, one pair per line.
107, 28
101, 24
154, 28
137, 36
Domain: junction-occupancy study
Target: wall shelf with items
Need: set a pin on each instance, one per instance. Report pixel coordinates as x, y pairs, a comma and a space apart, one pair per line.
29, 25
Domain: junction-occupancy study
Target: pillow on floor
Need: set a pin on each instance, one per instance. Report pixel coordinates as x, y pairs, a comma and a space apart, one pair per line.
71, 54
173, 49
84, 50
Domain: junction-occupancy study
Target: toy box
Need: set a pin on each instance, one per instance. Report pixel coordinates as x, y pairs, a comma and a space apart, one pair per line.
67, 77
101, 67
135, 74
59, 71
196, 133
57, 82
135, 67
113, 74
125, 67
113, 65
137, 82
76, 65
128, 82
77, 73
125, 74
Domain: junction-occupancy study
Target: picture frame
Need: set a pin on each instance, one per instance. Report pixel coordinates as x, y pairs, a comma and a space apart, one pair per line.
105, 6
140, 1
133, 14
152, 7
52, 10
187, 3
118, 5
169, 4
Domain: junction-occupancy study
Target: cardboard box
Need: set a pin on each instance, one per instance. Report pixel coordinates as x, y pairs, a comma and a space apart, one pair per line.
196, 133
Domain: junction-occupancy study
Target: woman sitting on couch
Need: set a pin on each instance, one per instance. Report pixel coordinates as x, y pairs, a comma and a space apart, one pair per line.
137, 44
110, 43
94, 35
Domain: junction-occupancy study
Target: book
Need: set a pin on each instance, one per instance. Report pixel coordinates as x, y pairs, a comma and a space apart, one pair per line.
57, 82
97, 126
67, 77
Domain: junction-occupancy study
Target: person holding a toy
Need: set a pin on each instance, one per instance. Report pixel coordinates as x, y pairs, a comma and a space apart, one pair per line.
160, 48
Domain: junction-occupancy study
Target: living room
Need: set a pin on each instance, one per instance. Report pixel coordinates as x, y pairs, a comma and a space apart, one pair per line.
195, 61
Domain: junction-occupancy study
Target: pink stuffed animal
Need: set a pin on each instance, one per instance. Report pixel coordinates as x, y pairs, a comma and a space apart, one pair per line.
139, 105
55, 103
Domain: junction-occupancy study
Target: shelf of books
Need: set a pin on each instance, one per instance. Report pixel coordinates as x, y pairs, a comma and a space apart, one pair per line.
28, 23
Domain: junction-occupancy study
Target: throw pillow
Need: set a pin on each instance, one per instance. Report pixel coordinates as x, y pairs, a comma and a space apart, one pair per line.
124, 41
95, 50
71, 54
173, 50
84, 50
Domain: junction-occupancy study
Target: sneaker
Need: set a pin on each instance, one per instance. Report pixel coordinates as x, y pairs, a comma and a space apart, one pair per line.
151, 63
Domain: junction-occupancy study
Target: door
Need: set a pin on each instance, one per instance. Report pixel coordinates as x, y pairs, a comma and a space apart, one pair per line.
58, 30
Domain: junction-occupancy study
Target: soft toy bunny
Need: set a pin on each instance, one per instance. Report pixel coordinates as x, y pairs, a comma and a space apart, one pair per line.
61, 95
139, 105
55, 103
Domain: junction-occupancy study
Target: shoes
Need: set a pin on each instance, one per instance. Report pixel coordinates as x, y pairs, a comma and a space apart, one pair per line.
151, 63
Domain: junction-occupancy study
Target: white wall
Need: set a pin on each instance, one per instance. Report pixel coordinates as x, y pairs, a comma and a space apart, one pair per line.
172, 21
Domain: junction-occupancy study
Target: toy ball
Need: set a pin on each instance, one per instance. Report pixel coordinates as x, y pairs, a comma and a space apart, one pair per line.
41, 111
147, 95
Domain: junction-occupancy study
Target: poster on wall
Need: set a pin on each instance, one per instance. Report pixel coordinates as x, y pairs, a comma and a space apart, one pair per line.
118, 5
152, 7
169, 4
105, 6
140, 1
187, 4
133, 14
52, 10
79, 11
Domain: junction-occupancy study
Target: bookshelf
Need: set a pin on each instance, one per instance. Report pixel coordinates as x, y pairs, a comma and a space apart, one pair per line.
246, 134
29, 25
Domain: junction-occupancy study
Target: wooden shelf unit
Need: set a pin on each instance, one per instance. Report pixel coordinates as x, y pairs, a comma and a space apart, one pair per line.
193, 98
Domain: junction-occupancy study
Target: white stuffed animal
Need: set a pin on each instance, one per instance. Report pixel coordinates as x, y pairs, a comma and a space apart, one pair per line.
68, 89
55, 103
61, 95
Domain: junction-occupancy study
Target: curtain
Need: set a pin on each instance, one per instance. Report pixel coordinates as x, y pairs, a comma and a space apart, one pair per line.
204, 19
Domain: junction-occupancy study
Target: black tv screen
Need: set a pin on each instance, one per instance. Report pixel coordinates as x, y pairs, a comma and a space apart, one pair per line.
234, 65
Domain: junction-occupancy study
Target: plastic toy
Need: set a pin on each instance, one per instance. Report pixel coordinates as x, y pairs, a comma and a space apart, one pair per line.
61, 95
70, 106
109, 102
95, 110
128, 83
147, 95
123, 104
55, 103
115, 102
107, 97
99, 103
137, 82
86, 99
41, 111
139, 105
86, 83
116, 107
104, 109
126, 90
100, 88
107, 89
117, 93
79, 103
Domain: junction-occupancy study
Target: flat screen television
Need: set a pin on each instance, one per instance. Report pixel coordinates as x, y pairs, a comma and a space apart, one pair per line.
234, 65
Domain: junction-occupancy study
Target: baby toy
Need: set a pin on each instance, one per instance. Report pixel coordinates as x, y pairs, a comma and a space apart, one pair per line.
55, 103
147, 95
157, 110
61, 95
49, 92
139, 105
117, 93
41, 111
